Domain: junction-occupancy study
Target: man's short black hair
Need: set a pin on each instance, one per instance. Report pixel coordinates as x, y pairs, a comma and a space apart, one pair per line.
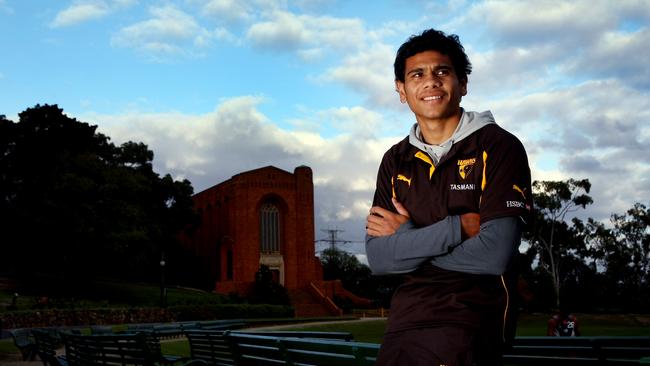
433, 40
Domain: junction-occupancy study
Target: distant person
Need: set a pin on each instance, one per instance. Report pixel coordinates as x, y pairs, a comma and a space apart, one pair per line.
563, 324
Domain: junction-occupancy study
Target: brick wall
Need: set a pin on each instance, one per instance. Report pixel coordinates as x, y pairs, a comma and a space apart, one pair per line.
230, 224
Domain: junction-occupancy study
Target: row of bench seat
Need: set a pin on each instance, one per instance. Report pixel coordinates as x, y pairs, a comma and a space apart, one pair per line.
248, 348
237, 347
225, 348
578, 351
24, 340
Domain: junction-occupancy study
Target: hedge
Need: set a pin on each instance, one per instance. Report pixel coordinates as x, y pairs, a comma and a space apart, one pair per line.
80, 317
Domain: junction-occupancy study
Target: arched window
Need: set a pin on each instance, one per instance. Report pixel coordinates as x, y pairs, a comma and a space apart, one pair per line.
269, 228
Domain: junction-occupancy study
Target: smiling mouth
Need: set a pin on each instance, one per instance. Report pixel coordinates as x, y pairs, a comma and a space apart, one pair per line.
433, 97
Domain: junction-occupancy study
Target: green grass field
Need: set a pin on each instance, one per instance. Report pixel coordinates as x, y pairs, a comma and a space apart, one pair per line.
527, 325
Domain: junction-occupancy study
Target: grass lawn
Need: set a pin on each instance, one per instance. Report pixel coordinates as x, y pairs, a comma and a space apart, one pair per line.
528, 325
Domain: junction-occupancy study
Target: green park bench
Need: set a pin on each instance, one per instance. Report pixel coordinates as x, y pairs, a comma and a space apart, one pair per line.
219, 348
210, 346
115, 349
559, 351
24, 341
47, 342
258, 349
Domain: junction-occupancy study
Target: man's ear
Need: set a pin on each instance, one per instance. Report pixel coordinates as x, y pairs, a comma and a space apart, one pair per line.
463, 87
399, 88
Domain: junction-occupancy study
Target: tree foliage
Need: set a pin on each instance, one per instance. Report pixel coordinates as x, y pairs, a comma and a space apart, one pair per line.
72, 202
552, 238
357, 278
623, 254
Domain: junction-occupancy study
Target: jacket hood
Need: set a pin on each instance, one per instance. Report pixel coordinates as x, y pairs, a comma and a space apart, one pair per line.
469, 123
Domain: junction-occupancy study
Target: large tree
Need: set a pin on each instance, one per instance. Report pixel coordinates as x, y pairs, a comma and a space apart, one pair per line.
623, 254
552, 238
74, 203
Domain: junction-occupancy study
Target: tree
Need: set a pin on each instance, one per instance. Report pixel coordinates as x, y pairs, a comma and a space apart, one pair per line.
357, 277
552, 238
72, 201
624, 253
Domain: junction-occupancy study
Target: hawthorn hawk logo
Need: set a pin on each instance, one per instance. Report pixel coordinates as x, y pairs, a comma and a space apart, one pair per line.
465, 167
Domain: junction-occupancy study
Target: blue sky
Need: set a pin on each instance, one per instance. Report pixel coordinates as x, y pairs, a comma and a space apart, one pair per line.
216, 87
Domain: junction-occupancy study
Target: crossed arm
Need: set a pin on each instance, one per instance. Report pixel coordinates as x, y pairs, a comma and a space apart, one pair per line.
458, 243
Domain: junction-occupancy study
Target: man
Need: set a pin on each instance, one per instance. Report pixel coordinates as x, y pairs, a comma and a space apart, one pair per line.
448, 210
563, 324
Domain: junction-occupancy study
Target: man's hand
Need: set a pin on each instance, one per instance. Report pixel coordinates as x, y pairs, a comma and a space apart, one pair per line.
382, 222
470, 225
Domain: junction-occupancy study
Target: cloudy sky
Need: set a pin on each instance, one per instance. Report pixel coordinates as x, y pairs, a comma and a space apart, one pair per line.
217, 87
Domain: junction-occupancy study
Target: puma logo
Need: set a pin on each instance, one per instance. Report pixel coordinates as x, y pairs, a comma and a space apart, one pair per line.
403, 178
522, 191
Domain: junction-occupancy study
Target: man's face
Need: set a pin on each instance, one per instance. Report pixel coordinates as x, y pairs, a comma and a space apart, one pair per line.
431, 87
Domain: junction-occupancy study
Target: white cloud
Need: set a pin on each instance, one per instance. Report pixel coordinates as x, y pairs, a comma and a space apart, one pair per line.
283, 30
596, 130
86, 10
520, 23
168, 32
369, 72
618, 54
80, 12
229, 11
541, 43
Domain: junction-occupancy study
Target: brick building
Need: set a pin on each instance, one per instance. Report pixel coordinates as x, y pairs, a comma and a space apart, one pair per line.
263, 216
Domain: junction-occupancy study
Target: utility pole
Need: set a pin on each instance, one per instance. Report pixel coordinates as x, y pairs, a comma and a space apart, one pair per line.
333, 238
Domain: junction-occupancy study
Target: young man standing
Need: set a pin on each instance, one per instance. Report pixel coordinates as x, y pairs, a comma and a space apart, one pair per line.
448, 210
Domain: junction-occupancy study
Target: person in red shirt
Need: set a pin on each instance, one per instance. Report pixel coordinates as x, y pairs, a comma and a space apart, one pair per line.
563, 324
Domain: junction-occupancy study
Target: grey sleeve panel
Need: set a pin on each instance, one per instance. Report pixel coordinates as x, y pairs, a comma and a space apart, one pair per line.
405, 250
487, 253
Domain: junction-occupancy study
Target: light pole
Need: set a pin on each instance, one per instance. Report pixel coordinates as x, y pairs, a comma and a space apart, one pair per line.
163, 289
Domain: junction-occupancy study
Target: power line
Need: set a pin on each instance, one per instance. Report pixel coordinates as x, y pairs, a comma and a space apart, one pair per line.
333, 239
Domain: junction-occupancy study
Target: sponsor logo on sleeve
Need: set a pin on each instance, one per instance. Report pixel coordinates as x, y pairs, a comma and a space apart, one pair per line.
521, 191
518, 204
515, 204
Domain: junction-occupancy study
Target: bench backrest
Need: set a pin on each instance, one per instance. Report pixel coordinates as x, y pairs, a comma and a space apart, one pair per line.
116, 349
210, 346
22, 337
47, 341
578, 350
218, 347
342, 336
254, 349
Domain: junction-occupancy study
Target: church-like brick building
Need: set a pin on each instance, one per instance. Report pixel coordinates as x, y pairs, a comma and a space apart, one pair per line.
264, 216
